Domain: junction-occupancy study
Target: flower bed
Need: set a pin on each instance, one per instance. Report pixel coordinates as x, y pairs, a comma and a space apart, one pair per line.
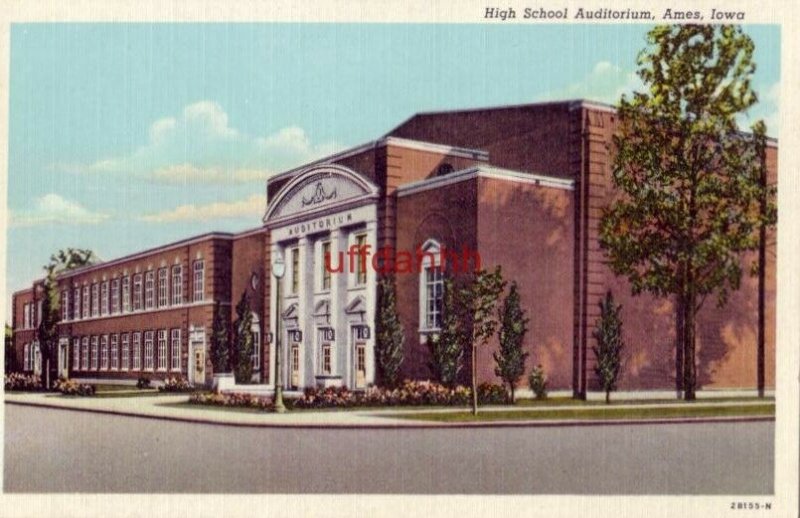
23, 382
232, 399
70, 387
176, 384
410, 393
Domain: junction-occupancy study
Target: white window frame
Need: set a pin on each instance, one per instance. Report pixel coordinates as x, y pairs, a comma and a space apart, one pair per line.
325, 277
114, 296
85, 353
76, 354
104, 353
96, 299
163, 287
125, 363
431, 262
177, 285
138, 292
323, 348
26, 316
95, 361
65, 305
357, 281
114, 365
294, 282
149, 289
126, 294
104, 298
198, 280
175, 350
26, 357
76, 304
137, 351
149, 362
87, 304
162, 350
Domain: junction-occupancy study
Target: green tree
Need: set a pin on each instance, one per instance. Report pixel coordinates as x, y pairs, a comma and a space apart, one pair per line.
510, 359
243, 340
608, 351
688, 181
47, 331
220, 341
11, 357
447, 349
389, 337
478, 299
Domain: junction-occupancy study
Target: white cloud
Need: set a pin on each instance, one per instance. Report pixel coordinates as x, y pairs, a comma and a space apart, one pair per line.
606, 82
185, 174
247, 208
199, 146
53, 208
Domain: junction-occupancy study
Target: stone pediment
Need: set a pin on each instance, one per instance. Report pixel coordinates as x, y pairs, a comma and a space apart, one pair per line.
319, 188
290, 312
357, 305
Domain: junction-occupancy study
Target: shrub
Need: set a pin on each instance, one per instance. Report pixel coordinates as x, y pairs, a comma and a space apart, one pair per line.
176, 384
411, 393
70, 387
232, 399
538, 382
23, 382
143, 382
492, 394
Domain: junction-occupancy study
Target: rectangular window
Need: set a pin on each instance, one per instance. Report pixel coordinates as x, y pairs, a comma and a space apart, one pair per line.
104, 298
149, 289
65, 305
137, 351
26, 357
361, 262
126, 294
86, 305
295, 271
177, 285
125, 364
326, 273
199, 281
163, 295
104, 352
95, 351
115, 296
256, 348
175, 350
326, 359
95, 300
114, 352
162, 349
434, 287
76, 354
26, 316
38, 313
148, 350
137, 292
76, 303
85, 353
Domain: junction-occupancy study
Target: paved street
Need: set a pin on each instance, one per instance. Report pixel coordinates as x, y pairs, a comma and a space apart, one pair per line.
48, 450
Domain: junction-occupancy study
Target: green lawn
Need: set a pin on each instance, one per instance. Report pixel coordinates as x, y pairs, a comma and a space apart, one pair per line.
595, 412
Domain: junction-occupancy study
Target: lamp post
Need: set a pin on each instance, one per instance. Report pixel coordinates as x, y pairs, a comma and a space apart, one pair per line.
278, 269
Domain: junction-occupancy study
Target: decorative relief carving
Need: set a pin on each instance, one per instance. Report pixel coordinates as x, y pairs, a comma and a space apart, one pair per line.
319, 195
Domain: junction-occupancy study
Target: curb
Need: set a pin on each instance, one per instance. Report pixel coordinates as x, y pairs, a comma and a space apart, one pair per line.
411, 424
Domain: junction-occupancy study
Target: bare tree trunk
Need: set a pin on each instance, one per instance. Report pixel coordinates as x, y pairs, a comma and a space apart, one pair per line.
689, 368
679, 346
474, 380
608, 397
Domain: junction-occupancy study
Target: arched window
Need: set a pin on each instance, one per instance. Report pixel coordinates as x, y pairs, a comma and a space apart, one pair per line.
431, 286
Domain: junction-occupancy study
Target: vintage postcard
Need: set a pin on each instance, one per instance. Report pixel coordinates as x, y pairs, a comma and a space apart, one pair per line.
355, 259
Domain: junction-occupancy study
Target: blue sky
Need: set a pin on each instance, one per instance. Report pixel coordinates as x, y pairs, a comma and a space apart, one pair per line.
128, 136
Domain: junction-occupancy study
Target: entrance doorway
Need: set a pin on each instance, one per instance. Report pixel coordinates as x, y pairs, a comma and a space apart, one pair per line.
294, 361
361, 365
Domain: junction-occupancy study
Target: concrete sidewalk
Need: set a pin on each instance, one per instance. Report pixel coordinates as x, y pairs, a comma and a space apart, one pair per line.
158, 407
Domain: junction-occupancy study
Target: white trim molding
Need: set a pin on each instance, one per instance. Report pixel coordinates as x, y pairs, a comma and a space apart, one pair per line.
481, 171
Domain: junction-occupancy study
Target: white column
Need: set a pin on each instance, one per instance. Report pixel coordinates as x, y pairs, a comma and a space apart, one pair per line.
305, 302
370, 296
275, 312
